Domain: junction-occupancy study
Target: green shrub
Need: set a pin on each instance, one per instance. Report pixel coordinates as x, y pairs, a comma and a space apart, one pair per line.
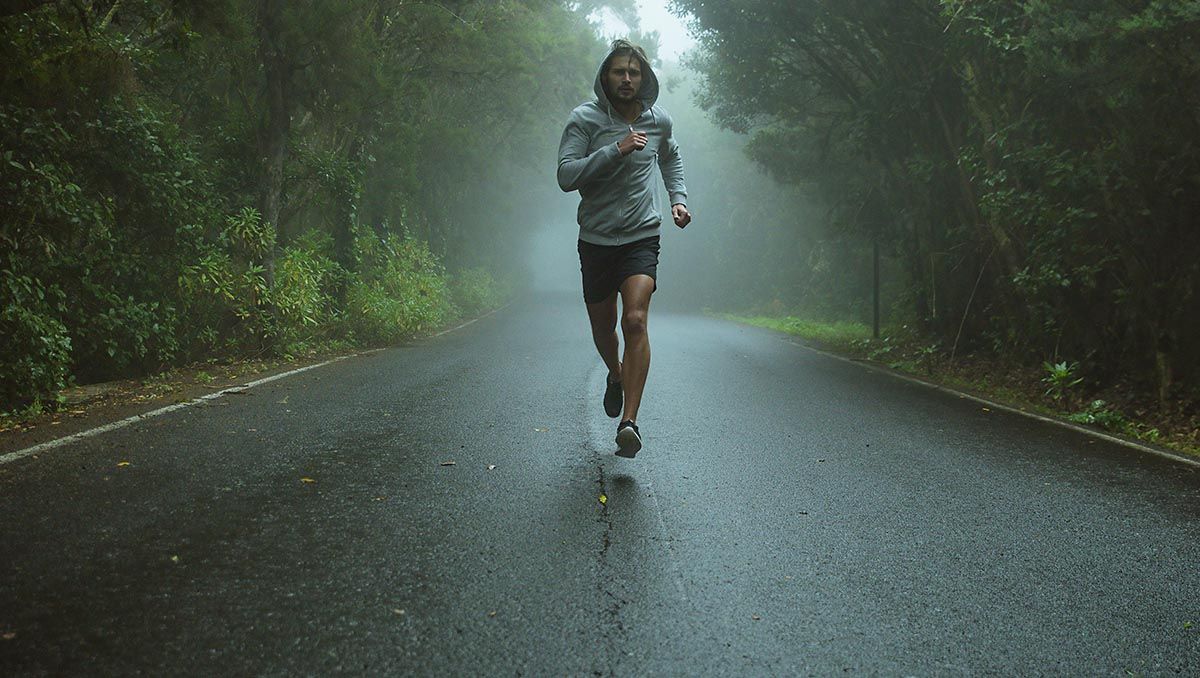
400, 289
1098, 413
305, 280
224, 292
1060, 379
477, 291
33, 340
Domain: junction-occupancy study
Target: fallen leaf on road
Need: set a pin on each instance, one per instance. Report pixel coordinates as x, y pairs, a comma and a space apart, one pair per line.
8, 636
540, 429
282, 402
492, 613
603, 499
756, 617
307, 480
174, 559
987, 409
397, 610
491, 467
122, 464
449, 463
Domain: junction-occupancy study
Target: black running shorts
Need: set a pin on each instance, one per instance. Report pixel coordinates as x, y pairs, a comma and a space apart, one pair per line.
604, 267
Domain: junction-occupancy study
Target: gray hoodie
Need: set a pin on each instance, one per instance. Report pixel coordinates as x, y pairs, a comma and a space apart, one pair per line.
617, 202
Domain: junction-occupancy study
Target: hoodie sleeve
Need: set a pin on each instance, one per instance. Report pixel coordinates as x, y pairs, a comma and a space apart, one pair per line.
575, 167
671, 164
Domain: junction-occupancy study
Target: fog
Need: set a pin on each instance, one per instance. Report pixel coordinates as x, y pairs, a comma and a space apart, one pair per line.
272, 176
737, 212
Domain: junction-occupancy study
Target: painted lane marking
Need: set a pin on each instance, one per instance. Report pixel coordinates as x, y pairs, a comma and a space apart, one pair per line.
240, 388
1167, 454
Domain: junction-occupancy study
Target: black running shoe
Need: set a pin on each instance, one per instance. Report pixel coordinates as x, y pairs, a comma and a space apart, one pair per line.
629, 441
613, 398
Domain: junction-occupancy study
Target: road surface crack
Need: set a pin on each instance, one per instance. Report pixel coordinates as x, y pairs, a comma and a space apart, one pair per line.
611, 602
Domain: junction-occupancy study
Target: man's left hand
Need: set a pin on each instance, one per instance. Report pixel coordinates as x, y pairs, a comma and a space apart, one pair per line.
681, 214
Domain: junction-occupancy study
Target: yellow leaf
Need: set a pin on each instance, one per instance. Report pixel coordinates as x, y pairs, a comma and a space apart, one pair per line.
491, 467
174, 559
449, 463
307, 480
603, 499
122, 464
540, 429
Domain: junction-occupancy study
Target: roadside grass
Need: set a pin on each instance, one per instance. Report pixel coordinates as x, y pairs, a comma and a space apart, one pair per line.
1112, 409
827, 333
180, 383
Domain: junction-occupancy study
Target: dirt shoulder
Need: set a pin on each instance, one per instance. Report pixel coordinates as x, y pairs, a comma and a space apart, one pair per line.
89, 406
1120, 410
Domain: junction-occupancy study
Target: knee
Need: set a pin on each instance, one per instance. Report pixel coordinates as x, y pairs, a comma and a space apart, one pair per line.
633, 322
604, 329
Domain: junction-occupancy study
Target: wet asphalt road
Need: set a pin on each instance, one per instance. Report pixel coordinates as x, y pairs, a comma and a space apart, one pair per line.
791, 514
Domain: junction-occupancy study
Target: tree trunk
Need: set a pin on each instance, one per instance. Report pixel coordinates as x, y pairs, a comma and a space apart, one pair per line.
348, 195
275, 127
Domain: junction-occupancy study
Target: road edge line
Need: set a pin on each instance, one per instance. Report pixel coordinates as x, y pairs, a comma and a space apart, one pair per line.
122, 423
472, 321
112, 426
1132, 444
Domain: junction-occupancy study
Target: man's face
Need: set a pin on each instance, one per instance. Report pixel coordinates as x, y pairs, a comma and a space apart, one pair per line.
624, 78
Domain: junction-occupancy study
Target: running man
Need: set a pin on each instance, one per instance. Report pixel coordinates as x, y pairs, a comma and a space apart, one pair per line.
607, 153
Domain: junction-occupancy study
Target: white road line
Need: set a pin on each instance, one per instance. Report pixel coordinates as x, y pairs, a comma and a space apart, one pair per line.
474, 320
1173, 456
59, 442
20, 454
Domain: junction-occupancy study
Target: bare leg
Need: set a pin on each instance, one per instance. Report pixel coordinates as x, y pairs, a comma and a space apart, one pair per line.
635, 305
603, 316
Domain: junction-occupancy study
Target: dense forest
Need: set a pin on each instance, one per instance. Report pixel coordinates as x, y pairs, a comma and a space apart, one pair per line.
255, 177
1032, 167
182, 180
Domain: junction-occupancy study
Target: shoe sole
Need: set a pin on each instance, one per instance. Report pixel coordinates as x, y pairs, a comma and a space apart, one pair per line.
617, 402
628, 442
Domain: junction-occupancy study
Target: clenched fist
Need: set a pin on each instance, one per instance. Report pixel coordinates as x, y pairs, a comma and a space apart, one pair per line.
681, 215
634, 141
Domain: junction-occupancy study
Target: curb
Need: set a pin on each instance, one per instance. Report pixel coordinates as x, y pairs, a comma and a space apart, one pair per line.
1108, 437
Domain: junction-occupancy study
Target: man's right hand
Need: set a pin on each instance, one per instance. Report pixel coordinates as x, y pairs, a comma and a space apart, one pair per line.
634, 141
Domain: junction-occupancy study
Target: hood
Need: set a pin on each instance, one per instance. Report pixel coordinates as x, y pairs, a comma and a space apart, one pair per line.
647, 95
